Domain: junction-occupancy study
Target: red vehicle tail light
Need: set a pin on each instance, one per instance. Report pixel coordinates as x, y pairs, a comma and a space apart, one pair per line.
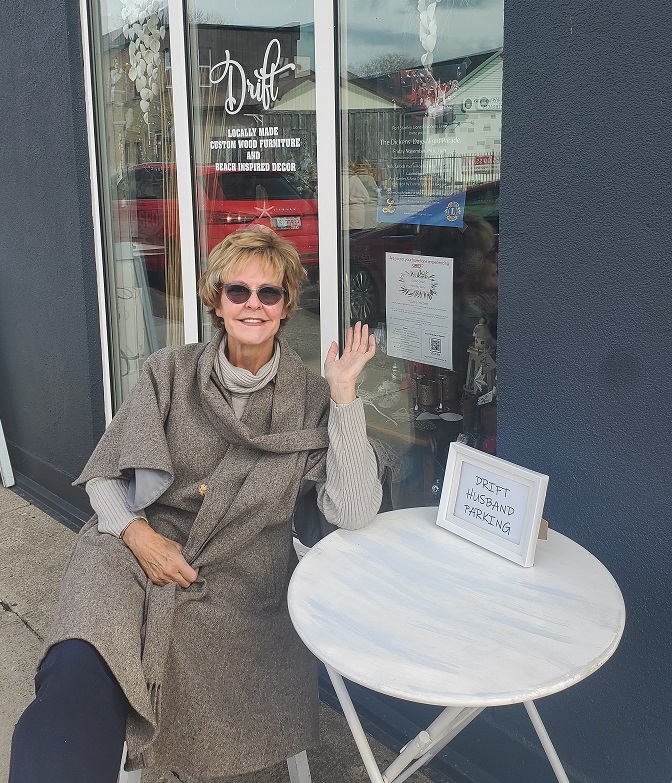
224, 218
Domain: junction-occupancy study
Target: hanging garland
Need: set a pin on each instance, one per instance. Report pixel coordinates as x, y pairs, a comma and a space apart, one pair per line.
427, 9
144, 29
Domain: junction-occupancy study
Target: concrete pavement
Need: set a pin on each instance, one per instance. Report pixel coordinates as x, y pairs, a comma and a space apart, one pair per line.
33, 552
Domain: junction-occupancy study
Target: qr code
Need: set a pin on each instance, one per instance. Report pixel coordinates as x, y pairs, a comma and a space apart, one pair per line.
435, 345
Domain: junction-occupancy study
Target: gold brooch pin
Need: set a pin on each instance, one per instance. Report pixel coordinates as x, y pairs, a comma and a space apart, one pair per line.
202, 489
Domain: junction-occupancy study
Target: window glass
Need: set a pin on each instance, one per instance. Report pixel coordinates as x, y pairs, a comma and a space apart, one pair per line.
421, 103
134, 128
253, 92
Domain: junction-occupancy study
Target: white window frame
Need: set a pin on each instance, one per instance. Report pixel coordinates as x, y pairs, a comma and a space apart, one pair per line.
326, 109
96, 211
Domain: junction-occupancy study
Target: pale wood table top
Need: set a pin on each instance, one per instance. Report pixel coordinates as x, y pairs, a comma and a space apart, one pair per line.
411, 610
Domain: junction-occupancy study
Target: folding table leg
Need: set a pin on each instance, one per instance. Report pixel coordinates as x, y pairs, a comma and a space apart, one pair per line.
428, 743
355, 726
418, 751
539, 727
299, 771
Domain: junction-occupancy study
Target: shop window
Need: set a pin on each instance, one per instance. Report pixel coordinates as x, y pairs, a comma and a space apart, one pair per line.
253, 93
421, 102
421, 106
136, 172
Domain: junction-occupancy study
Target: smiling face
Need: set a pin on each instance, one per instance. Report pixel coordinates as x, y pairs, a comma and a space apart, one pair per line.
251, 326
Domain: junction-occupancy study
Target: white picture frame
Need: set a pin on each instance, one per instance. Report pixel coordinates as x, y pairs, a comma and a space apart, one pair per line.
493, 503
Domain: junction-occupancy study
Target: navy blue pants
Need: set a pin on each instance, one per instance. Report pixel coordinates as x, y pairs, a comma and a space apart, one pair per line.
73, 732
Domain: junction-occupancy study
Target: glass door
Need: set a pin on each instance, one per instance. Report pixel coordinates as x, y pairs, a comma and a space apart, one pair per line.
252, 78
421, 103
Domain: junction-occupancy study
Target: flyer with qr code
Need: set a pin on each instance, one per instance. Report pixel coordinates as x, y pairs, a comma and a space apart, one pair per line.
420, 308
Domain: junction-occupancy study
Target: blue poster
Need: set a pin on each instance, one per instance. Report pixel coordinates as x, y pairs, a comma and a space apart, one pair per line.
422, 210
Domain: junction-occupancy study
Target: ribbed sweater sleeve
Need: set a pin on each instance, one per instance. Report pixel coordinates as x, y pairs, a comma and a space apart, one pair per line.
108, 499
351, 495
349, 498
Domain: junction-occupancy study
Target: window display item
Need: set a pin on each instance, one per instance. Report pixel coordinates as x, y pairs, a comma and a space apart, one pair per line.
481, 365
447, 389
427, 392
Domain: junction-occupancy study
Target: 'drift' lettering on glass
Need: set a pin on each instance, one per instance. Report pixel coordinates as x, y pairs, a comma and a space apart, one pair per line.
238, 86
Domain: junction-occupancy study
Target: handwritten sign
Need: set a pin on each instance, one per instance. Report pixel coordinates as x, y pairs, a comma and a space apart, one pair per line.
494, 503
491, 502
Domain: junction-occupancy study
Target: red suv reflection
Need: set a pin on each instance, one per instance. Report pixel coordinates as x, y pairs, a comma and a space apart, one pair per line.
146, 209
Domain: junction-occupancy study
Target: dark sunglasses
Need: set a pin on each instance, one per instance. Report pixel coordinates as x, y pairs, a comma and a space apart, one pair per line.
266, 294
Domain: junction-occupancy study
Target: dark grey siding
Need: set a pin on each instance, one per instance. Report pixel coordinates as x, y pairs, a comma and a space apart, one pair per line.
50, 365
584, 351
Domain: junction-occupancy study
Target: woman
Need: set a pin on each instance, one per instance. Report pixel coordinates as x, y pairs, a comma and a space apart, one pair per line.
175, 595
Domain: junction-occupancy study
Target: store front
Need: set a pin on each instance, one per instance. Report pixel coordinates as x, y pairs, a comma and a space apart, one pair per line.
205, 120
94, 276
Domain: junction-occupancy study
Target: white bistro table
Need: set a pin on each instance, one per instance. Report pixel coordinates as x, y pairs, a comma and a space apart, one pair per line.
408, 609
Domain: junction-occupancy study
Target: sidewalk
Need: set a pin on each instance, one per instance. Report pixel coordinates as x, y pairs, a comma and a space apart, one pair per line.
33, 551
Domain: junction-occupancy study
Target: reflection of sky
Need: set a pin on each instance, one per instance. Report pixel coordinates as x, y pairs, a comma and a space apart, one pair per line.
271, 13
374, 28
380, 27
110, 16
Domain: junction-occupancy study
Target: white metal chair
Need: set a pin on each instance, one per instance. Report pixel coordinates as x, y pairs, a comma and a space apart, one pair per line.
6, 472
299, 771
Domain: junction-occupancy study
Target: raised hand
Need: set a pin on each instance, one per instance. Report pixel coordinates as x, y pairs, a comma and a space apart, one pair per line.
342, 373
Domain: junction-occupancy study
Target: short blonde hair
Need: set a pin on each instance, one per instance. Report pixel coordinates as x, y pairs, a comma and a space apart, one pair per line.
239, 248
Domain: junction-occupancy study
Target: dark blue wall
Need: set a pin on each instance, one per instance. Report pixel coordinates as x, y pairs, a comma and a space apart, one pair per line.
584, 352
51, 402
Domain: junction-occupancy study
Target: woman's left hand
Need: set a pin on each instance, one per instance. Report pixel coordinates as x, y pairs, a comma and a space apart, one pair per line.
342, 373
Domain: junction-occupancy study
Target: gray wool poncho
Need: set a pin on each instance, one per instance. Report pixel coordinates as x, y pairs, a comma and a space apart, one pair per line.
218, 680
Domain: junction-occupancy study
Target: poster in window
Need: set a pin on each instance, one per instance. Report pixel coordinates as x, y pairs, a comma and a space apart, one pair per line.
420, 308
